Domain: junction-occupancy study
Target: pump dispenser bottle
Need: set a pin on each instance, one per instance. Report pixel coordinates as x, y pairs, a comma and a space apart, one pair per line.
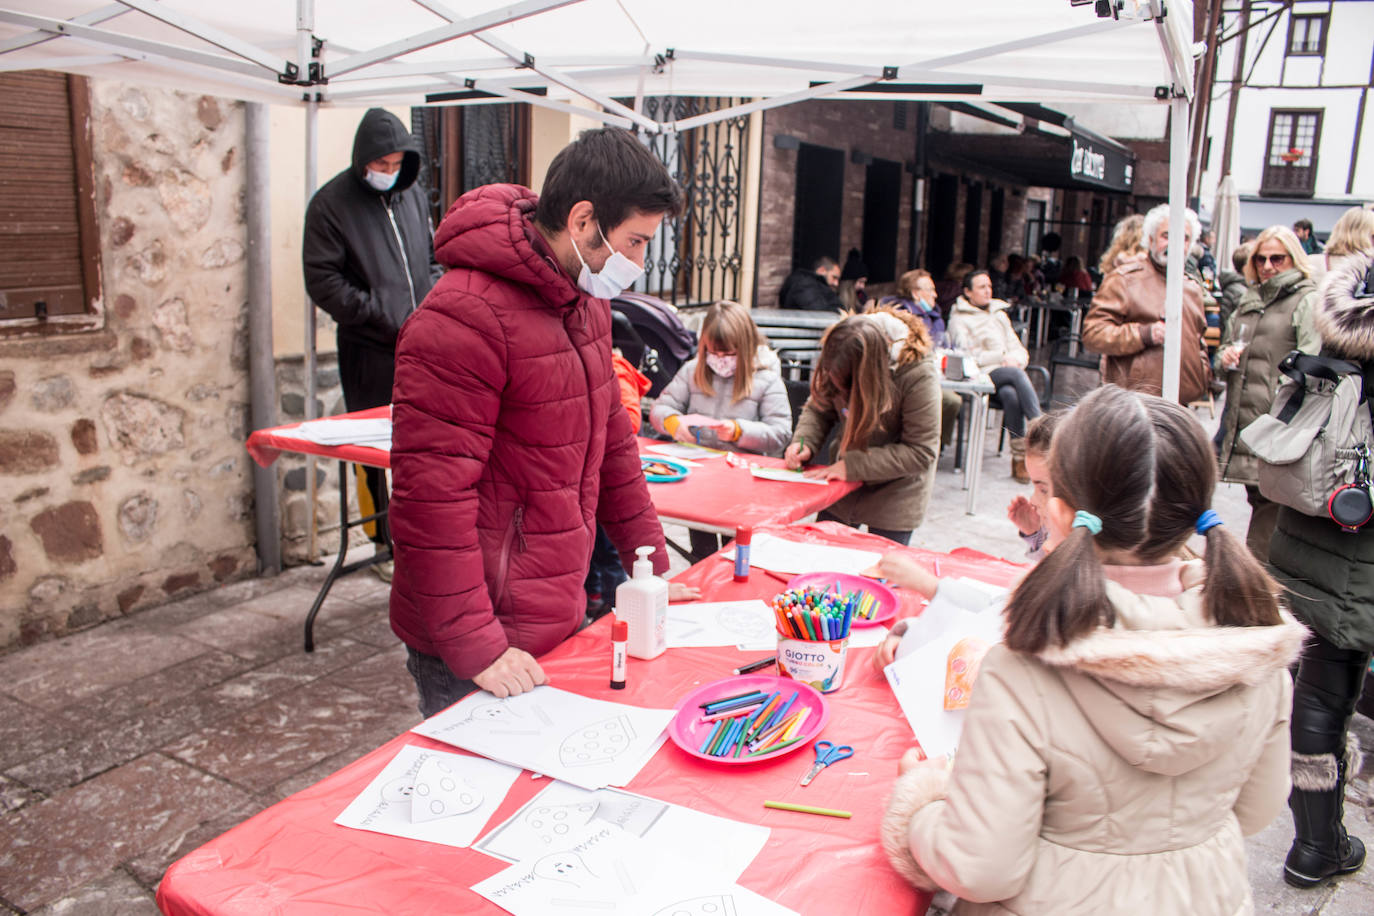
642, 602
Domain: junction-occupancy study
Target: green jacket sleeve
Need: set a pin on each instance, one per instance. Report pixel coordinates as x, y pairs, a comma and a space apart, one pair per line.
1309, 341
813, 426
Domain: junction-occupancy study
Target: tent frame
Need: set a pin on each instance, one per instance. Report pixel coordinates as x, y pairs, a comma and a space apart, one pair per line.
306, 80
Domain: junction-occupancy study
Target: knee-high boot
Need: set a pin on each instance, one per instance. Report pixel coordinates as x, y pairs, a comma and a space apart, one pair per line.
1322, 849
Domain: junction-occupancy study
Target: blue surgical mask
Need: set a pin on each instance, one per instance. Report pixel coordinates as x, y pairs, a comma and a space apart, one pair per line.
618, 274
382, 181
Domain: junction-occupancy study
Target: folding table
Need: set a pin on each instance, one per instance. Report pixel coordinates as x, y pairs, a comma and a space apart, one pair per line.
292, 858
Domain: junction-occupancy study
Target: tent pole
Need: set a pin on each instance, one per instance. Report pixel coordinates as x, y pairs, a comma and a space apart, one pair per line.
305, 27
1173, 284
262, 374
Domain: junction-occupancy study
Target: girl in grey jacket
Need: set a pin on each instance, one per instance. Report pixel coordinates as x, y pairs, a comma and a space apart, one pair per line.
730, 397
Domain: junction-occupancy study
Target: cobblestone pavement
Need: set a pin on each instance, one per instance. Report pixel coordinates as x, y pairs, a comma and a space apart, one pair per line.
126, 746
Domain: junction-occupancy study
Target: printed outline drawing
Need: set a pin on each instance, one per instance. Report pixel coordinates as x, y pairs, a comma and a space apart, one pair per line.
607, 756
719, 905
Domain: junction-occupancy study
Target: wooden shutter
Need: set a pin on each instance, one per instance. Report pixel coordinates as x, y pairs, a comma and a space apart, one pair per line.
48, 243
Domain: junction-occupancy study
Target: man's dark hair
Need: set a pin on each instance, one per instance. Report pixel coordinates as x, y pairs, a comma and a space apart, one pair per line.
615, 172
1050, 241
824, 263
1303, 224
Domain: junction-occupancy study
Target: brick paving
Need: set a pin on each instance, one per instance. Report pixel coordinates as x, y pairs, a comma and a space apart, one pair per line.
126, 746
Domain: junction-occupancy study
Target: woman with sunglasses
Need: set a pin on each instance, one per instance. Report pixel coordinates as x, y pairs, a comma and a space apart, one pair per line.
1273, 319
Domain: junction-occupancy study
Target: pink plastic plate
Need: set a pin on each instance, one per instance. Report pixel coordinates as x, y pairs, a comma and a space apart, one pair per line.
688, 731
887, 601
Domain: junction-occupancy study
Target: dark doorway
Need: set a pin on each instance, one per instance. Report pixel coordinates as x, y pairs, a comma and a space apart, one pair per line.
973, 223
882, 200
944, 199
820, 196
995, 208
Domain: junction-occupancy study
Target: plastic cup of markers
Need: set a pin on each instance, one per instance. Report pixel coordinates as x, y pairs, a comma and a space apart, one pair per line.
816, 663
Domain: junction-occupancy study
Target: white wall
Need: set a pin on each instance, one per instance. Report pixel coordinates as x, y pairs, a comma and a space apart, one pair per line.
1302, 82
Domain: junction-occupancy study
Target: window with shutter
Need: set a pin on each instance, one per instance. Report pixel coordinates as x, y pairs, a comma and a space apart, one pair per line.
49, 244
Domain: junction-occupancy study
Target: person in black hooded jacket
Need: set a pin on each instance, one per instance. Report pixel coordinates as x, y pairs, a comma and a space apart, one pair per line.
368, 256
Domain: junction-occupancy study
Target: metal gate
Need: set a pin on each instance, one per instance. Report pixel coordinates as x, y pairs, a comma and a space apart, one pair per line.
466, 147
699, 256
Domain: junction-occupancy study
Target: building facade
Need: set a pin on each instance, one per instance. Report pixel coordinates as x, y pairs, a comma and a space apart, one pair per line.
1288, 118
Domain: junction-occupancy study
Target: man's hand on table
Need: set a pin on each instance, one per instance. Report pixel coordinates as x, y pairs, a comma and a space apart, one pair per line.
514, 672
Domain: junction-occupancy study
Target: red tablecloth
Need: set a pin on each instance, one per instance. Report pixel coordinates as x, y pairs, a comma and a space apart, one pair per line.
292, 858
713, 494
266, 444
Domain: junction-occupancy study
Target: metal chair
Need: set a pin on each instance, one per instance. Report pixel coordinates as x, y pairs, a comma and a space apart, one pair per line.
1060, 356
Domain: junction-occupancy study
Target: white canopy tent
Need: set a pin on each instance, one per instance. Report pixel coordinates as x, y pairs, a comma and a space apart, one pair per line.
549, 53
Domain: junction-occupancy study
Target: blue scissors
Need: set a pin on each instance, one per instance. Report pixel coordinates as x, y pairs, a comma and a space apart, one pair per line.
826, 754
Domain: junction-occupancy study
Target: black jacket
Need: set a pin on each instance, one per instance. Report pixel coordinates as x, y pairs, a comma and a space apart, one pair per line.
355, 266
806, 289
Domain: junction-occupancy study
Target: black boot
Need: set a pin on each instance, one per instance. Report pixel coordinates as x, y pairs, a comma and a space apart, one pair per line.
1321, 849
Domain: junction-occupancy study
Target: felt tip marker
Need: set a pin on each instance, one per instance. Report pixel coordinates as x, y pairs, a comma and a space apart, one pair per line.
620, 637
758, 665
807, 809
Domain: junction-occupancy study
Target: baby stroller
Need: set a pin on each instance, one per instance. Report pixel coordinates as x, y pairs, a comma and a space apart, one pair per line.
652, 337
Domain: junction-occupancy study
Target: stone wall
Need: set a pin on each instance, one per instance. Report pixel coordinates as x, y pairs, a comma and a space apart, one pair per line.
125, 480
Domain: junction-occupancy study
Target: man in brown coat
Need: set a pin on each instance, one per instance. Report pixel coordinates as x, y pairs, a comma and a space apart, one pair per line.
1126, 321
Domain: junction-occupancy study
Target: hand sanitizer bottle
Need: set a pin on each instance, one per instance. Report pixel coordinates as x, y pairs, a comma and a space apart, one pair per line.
642, 602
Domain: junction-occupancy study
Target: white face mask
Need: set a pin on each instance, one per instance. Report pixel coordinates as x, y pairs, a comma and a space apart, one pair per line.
722, 365
618, 274
382, 181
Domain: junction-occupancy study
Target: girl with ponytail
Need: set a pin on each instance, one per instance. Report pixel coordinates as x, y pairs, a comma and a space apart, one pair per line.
1133, 727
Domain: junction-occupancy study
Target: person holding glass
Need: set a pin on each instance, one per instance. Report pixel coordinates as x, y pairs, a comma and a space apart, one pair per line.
1273, 319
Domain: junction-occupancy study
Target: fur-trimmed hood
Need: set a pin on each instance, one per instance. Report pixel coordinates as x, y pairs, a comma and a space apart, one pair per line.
1158, 685
1346, 324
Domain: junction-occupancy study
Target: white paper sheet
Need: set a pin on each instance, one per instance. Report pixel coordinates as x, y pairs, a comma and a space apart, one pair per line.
779, 555
589, 743
721, 623
785, 476
723, 846
917, 677
459, 795
605, 870
374, 432
684, 450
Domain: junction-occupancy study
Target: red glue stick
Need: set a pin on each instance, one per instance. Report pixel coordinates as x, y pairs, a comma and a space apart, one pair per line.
620, 636
743, 536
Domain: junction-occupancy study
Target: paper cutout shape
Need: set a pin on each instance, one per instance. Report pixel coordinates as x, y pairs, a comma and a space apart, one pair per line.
961, 670
441, 792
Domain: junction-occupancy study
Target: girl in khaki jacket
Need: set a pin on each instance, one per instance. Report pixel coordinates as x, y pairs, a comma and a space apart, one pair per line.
882, 400
1134, 726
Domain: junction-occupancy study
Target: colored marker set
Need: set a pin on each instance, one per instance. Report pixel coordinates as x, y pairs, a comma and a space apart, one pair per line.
818, 614
752, 724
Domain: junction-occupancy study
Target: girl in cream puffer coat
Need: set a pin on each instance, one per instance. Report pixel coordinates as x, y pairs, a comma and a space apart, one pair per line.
1134, 726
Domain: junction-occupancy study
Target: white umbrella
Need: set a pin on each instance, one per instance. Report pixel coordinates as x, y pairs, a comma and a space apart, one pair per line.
1226, 222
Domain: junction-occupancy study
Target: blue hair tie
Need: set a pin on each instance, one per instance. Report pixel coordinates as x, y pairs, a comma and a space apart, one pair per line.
1087, 520
1207, 521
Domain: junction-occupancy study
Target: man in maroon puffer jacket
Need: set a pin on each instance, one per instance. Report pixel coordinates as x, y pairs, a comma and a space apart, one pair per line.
509, 443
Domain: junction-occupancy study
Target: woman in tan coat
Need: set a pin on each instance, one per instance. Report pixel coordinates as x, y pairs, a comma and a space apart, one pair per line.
1134, 726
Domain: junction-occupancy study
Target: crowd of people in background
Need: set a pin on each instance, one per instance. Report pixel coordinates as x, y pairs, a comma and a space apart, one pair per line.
486, 578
